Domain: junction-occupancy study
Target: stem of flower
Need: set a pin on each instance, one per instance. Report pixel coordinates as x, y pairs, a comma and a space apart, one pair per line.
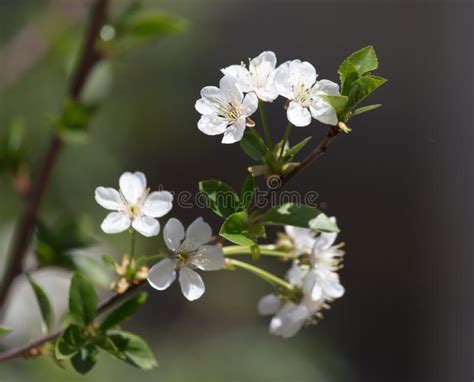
265, 250
285, 139
271, 278
133, 239
266, 128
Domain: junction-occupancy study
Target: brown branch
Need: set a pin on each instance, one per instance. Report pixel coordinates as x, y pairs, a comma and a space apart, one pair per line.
34, 348
27, 221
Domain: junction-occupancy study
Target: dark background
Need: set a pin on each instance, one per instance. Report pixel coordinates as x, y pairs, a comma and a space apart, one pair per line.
400, 184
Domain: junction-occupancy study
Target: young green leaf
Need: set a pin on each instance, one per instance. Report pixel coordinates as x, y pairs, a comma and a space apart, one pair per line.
365, 109
73, 122
236, 230
69, 342
4, 331
246, 194
148, 25
134, 350
85, 359
362, 88
363, 61
109, 262
82, 300
292, 151
220, 197
253, 146
298, 215
338, 103
43, 303
124, 311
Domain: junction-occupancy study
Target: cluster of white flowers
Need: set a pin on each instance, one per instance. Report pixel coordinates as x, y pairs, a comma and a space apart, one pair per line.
314, 272
226, 109
138, 209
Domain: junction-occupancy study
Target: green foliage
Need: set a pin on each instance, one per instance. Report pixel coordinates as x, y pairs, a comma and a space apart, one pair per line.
69, 343
55, 242
82, 300
132, 349
85, 359
365, 109
220, 197
299, 215
238, 229
72, 124
291, 152
12, 154
254, 146
4, 331
247, 192
43, 303
339, 103
357, 82
151, 25
124, 311
109, 262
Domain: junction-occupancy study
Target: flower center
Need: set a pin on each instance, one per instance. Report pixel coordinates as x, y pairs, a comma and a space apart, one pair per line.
302, 96
230, 112
134, 210
181, 258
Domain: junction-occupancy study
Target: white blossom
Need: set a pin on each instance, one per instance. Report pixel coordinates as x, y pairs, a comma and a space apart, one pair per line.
134, 205
296, 81
190, 251
258, 77
225, 110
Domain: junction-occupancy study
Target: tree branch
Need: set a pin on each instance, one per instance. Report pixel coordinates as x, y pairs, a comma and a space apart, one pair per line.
27, 221
34, 348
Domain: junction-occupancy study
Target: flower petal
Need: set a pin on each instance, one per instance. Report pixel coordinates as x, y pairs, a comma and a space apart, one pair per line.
158, 204
213, 95
263, 59
173, 234
162, 274
115, 222
268, 305
234, 132
230, 89
323, 111
289, 320
132, 186
282, 80
249, 105
203, 106
312, 286
326, 87
212, 124
298, 115
303, 238
197, 234
146, 225
268, 93
208, 258
302, 74
296, 274
191, 283
109, 198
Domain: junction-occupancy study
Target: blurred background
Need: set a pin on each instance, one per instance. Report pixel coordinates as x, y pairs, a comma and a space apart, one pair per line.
399, 184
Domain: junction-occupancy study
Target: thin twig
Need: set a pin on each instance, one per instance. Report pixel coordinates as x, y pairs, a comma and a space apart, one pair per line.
33, 348
27, 221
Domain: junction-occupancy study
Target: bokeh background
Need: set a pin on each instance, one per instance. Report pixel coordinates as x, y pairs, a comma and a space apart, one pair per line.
400, 183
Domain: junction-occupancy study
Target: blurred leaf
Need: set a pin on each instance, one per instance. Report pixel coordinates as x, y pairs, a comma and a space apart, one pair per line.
69, 342
124, 311
253, 146
98, 83
12, 153
4, 331
44, 304
299, 215
109, 262
149, 25
72, 125
219, 196
236, 230
365, 109
82, 300
85, 359
55, 243
246, 194
134, 350
92, 269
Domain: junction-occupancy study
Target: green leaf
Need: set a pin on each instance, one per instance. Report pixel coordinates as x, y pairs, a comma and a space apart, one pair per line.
85, 359
365, 109
236, 230
82, 300
69, 342
12, 153
109, 262
298, 215
253, 146
44, 304
134, 350
363, 61
362, 88
147, 25
246, 195
4, 331
220, 197
124, 311
292, 151
337, 102
73, 122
